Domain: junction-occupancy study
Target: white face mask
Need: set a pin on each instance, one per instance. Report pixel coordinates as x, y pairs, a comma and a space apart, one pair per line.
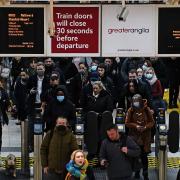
136, 104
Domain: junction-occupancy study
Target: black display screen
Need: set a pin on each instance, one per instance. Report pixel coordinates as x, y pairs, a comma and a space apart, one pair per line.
21, 30
169, 31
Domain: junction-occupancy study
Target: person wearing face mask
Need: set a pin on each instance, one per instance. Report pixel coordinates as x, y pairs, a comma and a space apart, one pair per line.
36, 87
60, 106
140, 120
56, 149
156, 89
20, 96
156, 92
140, 87
146, 65
78, 167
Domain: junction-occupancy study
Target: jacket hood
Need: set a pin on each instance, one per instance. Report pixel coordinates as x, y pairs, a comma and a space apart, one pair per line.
63, 89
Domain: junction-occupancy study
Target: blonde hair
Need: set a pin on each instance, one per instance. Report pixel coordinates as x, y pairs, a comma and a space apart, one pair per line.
75, 152
100, 84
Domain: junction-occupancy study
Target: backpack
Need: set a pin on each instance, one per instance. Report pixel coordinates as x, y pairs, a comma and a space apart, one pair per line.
136, 162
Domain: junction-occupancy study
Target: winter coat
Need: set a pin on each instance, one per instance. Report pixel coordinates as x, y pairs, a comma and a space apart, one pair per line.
173, 70
55, 109
68, 68
100, 104
4, 103
32, 83
142, 117
142, 89
119, 163
49, 94
108, 84
156, 89
20, 95
161, 71
56, 150
74, 87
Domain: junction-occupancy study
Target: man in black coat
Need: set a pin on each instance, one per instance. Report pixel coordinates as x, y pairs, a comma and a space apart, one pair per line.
20, 96
173, 71
114, 154
36, 86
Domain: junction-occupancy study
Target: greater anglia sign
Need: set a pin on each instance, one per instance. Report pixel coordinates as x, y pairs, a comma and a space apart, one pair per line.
76, 30
128, 35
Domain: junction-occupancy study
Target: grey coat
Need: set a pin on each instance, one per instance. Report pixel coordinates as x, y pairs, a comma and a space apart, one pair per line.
119, 163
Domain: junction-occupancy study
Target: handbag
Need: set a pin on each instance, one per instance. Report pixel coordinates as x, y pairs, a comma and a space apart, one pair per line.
136, 162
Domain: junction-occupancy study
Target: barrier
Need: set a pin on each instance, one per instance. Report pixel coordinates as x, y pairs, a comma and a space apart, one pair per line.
38, 130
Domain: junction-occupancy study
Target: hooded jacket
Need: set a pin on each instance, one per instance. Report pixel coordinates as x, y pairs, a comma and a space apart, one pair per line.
56, 109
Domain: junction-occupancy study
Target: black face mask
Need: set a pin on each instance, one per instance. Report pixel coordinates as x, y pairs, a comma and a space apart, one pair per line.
24, 80
61, 128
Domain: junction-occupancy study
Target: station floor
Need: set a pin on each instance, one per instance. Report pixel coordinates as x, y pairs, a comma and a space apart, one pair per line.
11, 144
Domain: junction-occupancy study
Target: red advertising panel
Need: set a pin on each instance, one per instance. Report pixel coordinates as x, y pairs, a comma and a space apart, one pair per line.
77, 30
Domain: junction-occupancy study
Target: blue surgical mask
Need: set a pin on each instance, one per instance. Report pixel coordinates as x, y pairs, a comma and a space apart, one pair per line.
144, 67
93, 68
149, 76
60, 98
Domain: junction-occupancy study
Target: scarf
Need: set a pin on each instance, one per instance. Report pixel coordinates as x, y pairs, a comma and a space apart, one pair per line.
75, 170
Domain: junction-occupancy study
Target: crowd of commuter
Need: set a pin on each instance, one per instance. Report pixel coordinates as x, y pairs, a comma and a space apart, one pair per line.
60, 85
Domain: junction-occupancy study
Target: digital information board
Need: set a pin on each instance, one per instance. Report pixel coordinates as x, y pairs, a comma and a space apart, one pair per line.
169, 31
21, 30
